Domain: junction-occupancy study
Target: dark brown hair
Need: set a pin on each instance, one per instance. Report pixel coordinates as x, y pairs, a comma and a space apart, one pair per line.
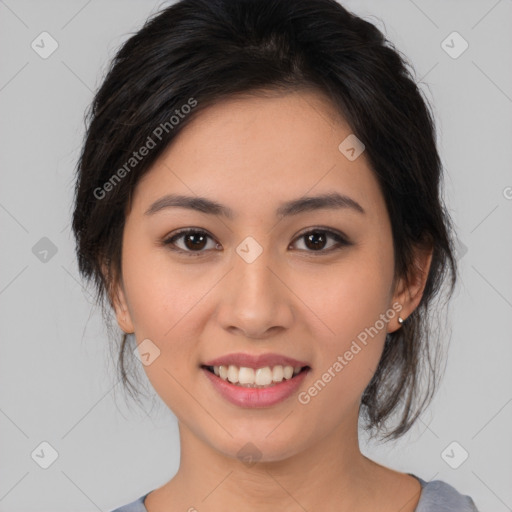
197, 52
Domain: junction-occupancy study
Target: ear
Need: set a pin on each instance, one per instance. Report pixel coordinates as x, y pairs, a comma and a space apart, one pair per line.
119, 303
409, 290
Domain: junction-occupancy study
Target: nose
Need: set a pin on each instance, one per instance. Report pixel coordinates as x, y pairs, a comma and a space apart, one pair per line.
255, 301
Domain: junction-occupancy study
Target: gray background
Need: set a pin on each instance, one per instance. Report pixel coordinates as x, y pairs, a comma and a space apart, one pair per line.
57, 382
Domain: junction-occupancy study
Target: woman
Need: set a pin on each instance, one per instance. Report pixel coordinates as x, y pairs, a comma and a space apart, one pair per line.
258, 198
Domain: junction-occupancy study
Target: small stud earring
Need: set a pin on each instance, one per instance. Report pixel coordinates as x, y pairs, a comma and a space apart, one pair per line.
400, 320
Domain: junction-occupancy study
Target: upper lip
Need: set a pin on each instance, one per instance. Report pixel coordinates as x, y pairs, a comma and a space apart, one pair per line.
255, 361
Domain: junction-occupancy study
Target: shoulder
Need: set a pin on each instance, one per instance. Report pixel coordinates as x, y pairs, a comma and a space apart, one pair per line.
438, 496
134, 506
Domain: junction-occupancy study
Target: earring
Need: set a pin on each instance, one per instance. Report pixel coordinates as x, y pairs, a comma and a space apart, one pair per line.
400, 320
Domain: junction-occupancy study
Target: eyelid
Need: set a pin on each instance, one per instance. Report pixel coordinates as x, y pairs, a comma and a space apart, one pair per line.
330, 231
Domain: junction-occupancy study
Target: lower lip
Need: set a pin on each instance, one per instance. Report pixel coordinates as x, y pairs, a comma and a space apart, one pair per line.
256, 397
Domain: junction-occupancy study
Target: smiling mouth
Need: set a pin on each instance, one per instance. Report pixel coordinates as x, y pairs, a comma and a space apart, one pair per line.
264, 377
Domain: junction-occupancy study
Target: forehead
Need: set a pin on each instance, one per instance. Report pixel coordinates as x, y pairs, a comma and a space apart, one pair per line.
253, 152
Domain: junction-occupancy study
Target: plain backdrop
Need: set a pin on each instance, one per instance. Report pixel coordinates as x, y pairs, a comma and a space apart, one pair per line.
58, 385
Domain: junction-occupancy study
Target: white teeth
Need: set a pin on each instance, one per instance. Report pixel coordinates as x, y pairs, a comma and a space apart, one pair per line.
263, 376
260, 377
288, 372
246, 376
277, 373
232, 374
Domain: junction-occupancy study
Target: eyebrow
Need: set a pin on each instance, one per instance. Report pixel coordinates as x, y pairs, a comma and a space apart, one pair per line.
289, 208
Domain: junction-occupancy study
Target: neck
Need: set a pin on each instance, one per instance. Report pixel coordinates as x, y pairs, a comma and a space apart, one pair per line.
332, 472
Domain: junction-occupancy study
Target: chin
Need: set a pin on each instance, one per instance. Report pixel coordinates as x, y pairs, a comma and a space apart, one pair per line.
252, 449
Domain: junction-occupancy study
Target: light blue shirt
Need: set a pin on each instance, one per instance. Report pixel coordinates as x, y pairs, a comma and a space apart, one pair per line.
436, 496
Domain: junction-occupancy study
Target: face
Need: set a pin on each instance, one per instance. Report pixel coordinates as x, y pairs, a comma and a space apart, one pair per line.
307, 285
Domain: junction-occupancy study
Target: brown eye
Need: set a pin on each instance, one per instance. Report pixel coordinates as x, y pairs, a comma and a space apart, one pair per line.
316, 240
194, 241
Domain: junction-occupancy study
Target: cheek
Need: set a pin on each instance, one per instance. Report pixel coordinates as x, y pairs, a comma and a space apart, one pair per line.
166, 303
352, 302
160, 294
350, 295
161, 305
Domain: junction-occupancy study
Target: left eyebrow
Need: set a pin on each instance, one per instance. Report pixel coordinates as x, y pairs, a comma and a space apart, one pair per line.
288, 208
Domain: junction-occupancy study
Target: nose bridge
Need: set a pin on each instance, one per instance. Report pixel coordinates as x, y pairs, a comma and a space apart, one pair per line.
252, 267
252, 278
255, 300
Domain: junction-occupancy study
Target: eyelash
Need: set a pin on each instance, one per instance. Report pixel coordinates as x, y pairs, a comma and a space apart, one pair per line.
338, 237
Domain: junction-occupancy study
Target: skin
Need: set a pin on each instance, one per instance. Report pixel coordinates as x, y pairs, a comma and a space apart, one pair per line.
251, 153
